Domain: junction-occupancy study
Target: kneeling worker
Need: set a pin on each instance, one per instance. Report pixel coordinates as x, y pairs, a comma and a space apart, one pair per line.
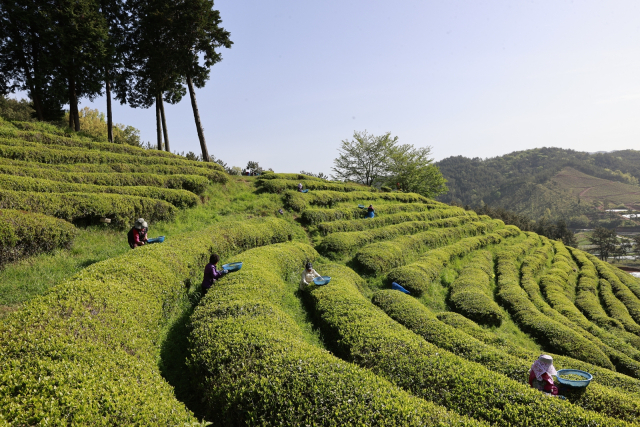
307, 276
137, 236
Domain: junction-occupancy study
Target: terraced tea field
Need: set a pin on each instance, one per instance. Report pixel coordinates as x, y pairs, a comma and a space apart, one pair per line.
129, 340
591, 188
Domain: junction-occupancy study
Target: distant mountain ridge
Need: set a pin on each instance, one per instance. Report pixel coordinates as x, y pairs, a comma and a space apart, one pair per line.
554, 183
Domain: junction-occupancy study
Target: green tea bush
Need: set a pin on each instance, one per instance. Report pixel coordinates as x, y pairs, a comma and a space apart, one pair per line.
178, 198
417, 318
254, 367
620, 290
74, 207
338, 245
555, 336
360, 332
616, 308
291, 176
43, 154
379, 257
471, 292
23, 234
588, 302
193, 183
213, 175
417, 275
280, 185
317, 216
628, 280
300, 201
552, 284
38, 139
606, 377
384, 220
86, 353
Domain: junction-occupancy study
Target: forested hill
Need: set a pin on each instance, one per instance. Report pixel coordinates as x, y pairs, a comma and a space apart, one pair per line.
495, 181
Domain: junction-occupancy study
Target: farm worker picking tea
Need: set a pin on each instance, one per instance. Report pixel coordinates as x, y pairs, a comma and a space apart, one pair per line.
307, 276
137, 236
370, 212
540, 375
300, 187
211, 273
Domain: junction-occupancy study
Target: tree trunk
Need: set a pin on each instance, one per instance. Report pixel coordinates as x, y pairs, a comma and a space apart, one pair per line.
164, 125
158, 123
196, 116
73, 105
109, 114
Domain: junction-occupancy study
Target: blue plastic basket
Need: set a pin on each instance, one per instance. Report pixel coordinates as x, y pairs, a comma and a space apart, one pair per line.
305, 191
397, 287
156, 240
574, 383
323, 280
361, 206
232, 266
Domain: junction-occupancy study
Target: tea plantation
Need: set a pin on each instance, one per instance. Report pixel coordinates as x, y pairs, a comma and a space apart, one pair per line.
93, 333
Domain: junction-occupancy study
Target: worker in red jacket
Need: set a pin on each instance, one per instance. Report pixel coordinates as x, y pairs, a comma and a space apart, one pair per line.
540, 375
137, 236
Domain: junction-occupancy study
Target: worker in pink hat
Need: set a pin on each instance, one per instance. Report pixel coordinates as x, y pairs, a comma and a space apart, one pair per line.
540, 375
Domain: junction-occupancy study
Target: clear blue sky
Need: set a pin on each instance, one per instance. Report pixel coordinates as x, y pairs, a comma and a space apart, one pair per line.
473, 78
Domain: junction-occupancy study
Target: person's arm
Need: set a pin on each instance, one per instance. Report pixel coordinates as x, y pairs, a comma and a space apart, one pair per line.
136, 238
316, 274
216, 274
304, 277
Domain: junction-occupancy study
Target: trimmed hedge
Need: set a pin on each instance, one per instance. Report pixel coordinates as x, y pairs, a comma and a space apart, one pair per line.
554, 283
380, 257
23, 234
254, 367
194, 183
178, 198
616, 308
620, 290
417, 276
122, 210
300, 201
628, 280
38, 139
380, 221
280, 185
293, 176
602, 376
338, 245
471, 292
552, 334
213, 175
417, 318
87, 352
317, 216
360, 332
45, 154
587, 296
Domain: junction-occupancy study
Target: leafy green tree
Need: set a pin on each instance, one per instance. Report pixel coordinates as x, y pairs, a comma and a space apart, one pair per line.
29, 53
604, 240
364, 159
413, 170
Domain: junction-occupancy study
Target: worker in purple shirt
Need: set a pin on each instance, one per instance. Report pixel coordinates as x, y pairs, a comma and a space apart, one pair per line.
211, 273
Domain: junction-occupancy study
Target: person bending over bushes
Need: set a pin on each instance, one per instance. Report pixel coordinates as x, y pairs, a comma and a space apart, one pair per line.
137, 236
307, 276
211, 273
370, 212
540, 375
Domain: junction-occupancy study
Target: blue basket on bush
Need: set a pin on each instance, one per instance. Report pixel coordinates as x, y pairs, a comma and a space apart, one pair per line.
574, 383
397, 287
232, 266
322, 280
156, 240
305, 191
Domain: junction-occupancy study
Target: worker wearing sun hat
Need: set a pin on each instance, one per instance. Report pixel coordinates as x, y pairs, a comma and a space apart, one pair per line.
540, 375
137, 236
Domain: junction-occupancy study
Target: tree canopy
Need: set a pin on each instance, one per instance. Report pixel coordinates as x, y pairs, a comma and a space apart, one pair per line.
370, 159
